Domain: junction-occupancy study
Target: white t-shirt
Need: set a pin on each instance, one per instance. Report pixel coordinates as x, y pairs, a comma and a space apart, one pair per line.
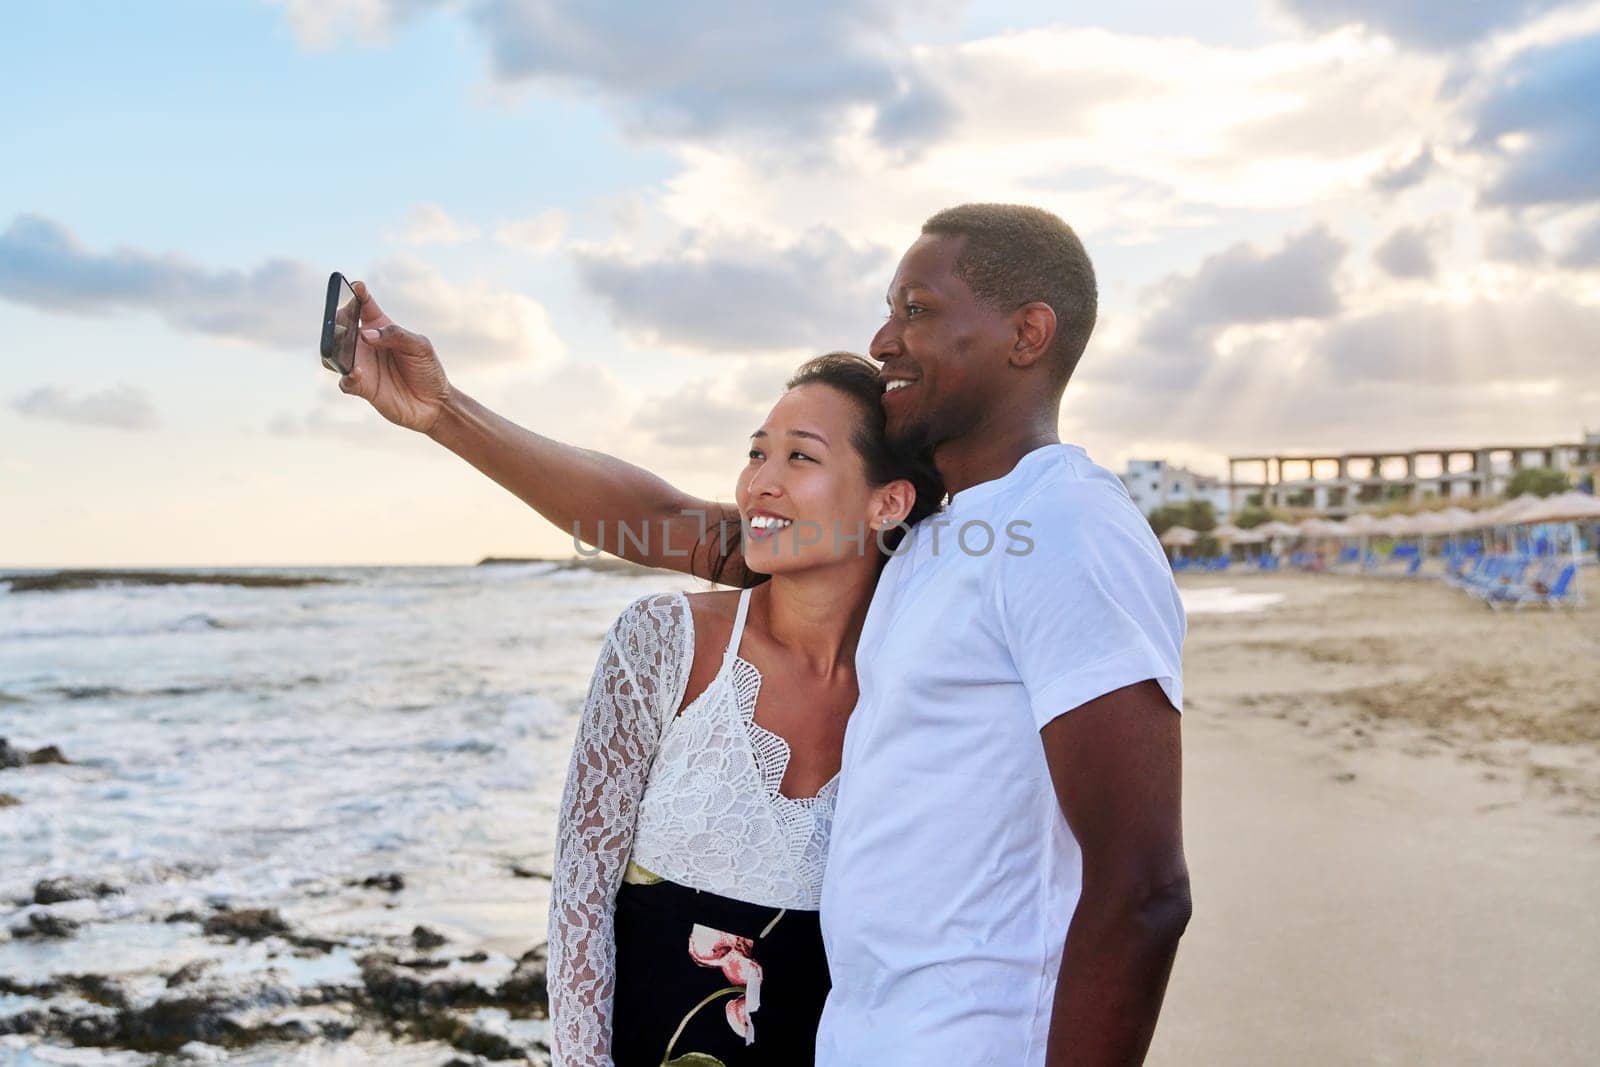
952, 875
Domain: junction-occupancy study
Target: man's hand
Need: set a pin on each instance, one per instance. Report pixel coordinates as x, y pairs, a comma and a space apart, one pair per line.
396, 370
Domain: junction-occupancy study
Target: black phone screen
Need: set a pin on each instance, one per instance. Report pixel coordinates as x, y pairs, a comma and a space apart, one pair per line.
341, 318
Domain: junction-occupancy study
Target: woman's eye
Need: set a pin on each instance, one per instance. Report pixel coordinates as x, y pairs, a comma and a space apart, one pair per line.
802, 455
755, 453
912, 310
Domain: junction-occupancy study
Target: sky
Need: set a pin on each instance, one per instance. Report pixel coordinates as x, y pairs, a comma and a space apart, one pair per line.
1317, 225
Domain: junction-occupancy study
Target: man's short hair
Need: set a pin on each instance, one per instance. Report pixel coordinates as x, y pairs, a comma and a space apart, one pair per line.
1015, 255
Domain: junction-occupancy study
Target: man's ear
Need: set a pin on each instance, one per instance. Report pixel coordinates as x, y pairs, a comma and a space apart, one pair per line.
1036, 331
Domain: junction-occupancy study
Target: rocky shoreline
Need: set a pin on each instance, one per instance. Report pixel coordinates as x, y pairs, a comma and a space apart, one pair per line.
410, 989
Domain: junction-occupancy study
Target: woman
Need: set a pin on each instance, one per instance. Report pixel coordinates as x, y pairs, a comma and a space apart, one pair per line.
695, 819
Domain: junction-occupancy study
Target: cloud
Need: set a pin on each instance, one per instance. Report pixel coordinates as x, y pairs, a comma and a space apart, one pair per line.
1425, 24
1419, 373
701, 416
540, 234
430, 224
277, 304
1244, 285
1408, 252
1540, 336
1513, 242
782, 73
320, 24
1534, 121
121, 407
1584, 251
1401, 176
478, 324
745, 296
44, 266
344, 419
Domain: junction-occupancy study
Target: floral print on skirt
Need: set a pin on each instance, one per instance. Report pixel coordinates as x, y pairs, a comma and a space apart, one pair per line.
707, 981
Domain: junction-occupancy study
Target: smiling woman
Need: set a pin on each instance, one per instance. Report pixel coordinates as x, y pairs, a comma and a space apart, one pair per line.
694, 829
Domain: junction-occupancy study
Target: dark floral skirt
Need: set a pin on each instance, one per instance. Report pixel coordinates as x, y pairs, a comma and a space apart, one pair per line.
706, 981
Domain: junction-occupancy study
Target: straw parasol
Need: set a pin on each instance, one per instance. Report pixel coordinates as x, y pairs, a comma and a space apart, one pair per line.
1565, 507
1179, 537
1319, 528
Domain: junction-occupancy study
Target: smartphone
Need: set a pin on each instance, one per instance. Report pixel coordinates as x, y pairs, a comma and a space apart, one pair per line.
341, 321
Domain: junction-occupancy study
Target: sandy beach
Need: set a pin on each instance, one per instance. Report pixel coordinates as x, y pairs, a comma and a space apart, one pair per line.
1392, 817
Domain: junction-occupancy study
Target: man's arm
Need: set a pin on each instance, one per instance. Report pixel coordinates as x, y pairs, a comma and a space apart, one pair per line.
1116, 762
601, 500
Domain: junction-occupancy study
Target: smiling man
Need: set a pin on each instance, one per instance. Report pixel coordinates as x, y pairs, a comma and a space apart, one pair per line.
1006, 882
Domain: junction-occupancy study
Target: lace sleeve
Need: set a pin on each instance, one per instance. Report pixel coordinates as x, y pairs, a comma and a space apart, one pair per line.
637, 686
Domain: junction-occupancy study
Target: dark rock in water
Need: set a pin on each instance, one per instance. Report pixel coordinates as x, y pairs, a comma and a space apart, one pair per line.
60, 890
11, 756
45, 927
182, 917
32, 1021
8, 801
168, 1025
98, 989
526, 986
389, 880
421, 964
58, 581
189, 972
425, 938
399, 994
251, 924
520, 871
476, 957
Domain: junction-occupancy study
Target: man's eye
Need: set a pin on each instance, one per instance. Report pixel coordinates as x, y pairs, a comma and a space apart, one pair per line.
912, 310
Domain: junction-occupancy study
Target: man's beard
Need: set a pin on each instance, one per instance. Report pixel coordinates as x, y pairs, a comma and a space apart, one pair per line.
910, 437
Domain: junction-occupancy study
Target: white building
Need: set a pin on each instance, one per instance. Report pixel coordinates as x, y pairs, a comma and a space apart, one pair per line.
1154, 483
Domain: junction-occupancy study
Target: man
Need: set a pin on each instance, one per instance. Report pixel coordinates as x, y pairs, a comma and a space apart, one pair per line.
1006, 882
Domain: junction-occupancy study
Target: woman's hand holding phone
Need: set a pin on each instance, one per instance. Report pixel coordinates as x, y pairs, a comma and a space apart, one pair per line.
396, 371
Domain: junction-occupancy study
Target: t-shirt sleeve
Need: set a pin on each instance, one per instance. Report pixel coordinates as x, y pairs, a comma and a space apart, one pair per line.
1091, 607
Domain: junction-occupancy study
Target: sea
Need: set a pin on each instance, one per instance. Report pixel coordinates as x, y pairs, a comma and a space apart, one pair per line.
292, 748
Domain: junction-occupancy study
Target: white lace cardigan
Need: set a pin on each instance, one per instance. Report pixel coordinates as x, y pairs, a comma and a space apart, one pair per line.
692, 798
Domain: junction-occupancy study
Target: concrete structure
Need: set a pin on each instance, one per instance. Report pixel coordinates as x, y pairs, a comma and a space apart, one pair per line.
1336, 485
1153, 483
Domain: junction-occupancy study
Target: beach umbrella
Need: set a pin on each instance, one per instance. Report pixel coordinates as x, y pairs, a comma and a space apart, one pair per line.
1571, 508
1179, 537
1452, 520
1278, 529
1320, 528
1566, 507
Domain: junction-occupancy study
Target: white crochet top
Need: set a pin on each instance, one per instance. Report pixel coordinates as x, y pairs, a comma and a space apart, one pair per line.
692, 798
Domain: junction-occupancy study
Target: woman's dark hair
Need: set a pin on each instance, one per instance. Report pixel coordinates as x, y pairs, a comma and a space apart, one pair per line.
857, 377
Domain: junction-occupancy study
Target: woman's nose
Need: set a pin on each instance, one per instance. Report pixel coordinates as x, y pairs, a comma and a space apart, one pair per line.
766, 481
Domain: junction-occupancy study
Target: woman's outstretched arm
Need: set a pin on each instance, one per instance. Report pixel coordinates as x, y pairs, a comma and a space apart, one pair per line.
599, 499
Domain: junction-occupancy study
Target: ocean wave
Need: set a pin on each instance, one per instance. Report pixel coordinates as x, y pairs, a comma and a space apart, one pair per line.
73, 580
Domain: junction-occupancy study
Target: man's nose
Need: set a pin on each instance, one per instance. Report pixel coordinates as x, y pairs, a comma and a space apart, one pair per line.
886, 342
